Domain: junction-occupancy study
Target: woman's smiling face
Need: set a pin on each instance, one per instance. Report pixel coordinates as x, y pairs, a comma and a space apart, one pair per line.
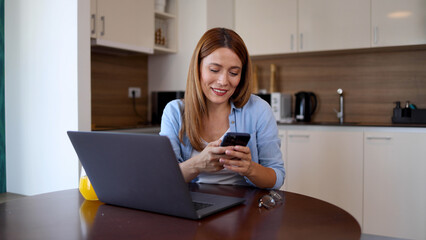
220, 75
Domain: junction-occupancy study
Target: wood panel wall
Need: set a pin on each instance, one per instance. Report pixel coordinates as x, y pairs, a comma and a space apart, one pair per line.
372, 80
112, 74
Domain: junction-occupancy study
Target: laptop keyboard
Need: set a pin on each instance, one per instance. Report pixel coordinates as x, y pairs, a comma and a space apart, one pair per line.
198, 205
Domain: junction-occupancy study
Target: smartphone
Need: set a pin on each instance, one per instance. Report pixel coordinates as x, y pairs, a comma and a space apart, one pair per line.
234, 138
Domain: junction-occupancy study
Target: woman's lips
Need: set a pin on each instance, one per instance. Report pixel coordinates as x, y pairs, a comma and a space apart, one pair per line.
219, 92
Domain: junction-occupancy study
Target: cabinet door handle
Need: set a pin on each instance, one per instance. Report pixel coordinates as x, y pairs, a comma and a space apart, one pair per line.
93, 24
379, 138
103, 25
376, 32
298, 136
301, 41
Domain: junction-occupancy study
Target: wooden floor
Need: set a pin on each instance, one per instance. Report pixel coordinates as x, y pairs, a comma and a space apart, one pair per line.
4, 197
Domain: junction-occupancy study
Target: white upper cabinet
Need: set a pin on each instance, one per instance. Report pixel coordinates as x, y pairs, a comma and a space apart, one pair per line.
126, 24
268, 26
333, 24
398, 22
285, 26
93, 18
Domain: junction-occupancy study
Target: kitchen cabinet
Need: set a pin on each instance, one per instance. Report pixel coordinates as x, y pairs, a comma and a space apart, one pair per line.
166, 29
377, 174
394, 183
398, 22
333, 24
277, 27
267, 27
93, 18
326, 163
127, 24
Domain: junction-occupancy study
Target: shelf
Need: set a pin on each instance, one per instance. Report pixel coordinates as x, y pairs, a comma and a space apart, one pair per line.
165, 30
164, 15
165, 35
160, 49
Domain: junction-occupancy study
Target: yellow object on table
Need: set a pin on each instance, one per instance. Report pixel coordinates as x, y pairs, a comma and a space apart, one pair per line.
86, 189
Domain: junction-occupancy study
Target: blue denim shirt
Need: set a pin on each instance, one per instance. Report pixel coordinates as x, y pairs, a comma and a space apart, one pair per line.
255, 118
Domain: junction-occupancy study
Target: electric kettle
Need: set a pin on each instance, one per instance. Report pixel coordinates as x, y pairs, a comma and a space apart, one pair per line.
306, 104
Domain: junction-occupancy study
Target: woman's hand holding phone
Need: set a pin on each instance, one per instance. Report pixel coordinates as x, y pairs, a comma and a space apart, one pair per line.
208, 159
238, 158
229, 153
234, 139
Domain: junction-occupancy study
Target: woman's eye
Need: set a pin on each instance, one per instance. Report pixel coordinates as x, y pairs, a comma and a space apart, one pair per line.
214, 70
233, 74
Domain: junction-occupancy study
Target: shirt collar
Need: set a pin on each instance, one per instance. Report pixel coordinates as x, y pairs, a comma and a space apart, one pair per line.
233, 106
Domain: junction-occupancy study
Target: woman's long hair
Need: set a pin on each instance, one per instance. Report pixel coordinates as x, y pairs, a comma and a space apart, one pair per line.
195, 106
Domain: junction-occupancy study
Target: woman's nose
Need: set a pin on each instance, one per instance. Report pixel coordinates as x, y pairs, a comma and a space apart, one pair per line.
223, 79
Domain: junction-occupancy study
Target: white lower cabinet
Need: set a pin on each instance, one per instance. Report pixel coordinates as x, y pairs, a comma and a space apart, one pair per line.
326, 163
395, 183
377, 174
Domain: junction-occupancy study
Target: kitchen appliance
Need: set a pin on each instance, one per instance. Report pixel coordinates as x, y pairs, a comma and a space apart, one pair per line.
306, 104
280, 104
159, 100
409, 114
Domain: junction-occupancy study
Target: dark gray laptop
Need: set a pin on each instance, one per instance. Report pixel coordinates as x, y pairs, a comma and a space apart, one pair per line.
141, 171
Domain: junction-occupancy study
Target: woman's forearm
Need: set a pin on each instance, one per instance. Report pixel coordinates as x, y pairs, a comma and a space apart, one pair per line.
189, 172
262, 177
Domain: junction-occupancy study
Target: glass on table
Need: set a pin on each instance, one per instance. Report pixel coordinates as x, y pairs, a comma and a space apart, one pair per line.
86, 188
270, 200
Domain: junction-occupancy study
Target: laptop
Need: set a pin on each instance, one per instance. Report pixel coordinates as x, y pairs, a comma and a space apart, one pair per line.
141, 171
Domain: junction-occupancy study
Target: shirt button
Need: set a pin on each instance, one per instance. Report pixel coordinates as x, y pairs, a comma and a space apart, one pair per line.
232, 122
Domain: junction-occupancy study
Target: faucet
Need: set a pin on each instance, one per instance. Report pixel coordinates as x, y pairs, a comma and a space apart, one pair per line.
340, 113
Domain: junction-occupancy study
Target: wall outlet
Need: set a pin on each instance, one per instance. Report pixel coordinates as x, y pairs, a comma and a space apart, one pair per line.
137, 91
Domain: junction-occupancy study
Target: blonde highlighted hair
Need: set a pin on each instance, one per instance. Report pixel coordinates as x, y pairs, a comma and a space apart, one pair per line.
195, 106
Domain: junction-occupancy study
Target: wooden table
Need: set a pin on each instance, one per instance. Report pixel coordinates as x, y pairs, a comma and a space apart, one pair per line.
66, 215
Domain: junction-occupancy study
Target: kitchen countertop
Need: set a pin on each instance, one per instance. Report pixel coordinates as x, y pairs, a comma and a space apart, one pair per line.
155, 129
136, 129
352, 124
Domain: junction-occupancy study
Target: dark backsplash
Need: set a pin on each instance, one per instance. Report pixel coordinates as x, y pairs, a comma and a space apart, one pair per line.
372, 80
112, 74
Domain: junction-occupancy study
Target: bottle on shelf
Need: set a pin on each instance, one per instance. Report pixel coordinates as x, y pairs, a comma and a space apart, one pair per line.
255, 80
272, 83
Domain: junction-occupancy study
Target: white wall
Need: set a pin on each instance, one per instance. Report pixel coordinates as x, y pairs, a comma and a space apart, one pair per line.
44, 45
220, 13
84, 67
169, 72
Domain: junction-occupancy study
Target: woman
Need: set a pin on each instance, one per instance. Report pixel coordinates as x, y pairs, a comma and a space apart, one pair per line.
218, 99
